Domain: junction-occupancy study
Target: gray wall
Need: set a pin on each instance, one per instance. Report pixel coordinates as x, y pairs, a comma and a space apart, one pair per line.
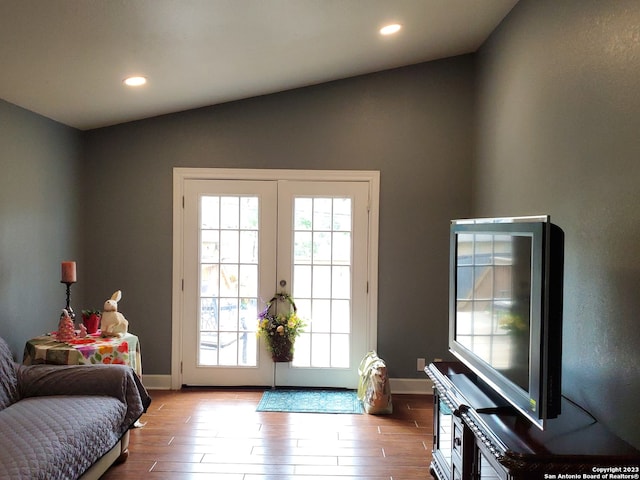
559, 133
39, 187
413, 124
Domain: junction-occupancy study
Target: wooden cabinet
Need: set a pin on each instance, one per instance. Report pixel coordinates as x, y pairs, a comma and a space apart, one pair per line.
477, 435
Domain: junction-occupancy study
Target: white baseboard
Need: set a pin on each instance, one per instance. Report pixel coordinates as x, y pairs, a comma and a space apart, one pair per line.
156, 382
419, 386
416, 386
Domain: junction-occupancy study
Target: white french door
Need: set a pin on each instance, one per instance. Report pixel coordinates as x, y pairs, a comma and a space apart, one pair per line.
229, 260
322, 256
239, 242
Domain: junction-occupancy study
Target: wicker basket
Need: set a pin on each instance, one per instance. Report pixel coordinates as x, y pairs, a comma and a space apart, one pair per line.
280, 345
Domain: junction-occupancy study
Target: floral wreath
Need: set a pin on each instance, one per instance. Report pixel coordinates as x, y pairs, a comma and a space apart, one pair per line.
280, 329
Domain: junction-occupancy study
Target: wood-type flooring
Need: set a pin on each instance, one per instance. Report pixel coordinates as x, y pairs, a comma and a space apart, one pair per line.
217, 434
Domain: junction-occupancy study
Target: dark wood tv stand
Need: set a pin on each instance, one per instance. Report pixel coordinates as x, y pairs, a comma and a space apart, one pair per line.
477, 435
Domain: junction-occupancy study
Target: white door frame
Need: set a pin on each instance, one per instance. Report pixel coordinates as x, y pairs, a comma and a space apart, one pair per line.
180, 175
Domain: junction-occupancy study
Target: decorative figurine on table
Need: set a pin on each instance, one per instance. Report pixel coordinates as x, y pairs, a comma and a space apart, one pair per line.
113, 323
66, 330
83, 331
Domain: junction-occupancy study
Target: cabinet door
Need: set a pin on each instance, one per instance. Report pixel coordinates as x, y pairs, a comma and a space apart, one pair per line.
443, 440
486, 467
457, 437
456, 473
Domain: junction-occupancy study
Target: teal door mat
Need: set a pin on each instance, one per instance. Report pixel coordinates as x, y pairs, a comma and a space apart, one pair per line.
310, 401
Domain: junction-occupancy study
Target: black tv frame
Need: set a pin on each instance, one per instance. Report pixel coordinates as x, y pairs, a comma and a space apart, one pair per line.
541, 401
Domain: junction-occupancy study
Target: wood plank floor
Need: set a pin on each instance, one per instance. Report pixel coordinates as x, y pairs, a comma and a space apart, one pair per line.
198, 434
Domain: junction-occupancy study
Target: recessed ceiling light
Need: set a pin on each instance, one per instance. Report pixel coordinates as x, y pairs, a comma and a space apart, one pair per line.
136, 81
390, 29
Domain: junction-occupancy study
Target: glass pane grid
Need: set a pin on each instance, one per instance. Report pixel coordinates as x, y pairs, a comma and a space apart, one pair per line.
229, 234
322, 280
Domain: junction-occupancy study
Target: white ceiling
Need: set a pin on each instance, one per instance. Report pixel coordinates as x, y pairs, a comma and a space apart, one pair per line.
66, 59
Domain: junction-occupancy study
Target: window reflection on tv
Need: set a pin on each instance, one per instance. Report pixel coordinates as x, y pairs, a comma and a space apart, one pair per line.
493, 310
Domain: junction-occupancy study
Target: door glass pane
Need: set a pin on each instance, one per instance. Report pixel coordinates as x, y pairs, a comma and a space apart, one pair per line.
229, 235
322, 214
341, 282
339, 344
322, 258
341, 251
322, 248
249, 213
302, 282
341, 316
321, 286
342, 214
210, 246
321, 312
229, 240
249, 247
302, 247
303, 214
210, 212
320, 347
229, 212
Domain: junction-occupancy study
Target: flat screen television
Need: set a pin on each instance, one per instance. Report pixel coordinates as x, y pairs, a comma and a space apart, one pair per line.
505, 317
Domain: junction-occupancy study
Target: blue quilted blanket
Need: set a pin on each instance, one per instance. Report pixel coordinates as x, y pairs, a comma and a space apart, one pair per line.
57, 437
57, 421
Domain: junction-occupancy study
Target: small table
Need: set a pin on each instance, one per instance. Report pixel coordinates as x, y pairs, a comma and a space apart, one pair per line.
91, 350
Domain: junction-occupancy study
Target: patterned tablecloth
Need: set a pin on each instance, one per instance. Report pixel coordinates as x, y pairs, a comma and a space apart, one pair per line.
91, 350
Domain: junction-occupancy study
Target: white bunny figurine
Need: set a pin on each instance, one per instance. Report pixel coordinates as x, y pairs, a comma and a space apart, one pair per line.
113, 323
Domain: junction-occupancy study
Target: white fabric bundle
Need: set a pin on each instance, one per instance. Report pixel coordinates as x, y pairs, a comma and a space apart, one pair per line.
373, 388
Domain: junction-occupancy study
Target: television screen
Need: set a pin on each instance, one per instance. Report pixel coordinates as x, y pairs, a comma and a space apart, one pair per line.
493, 312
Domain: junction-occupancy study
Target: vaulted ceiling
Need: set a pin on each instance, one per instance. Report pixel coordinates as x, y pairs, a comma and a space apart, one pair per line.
66, 59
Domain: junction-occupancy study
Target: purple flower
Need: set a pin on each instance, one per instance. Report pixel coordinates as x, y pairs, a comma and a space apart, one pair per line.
87, 351
264, 313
